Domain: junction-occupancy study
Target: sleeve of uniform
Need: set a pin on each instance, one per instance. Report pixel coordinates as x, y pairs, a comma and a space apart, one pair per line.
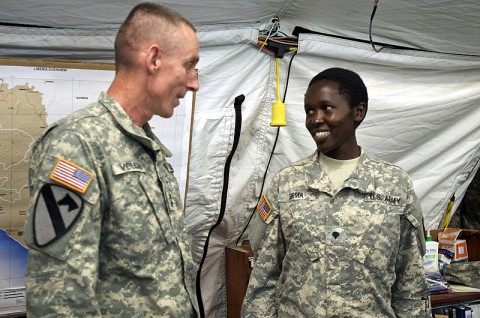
410, 294
260, 299
63, 264
256, 230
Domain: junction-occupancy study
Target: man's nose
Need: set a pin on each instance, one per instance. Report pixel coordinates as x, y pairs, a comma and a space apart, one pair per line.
193, 84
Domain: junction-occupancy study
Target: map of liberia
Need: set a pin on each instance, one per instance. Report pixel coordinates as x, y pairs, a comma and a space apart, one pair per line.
22, 119
31, 98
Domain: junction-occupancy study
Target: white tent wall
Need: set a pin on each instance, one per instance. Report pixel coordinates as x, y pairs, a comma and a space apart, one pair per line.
241, 69
423, 111
447, 26
81, 45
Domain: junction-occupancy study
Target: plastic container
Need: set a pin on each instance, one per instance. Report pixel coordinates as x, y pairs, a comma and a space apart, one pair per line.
430, 259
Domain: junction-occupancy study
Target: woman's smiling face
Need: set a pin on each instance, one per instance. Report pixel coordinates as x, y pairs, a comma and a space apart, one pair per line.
331, 120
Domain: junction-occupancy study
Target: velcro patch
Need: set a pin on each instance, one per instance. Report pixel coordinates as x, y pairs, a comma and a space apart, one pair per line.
128, 166
71, 175
264, 208
55, 211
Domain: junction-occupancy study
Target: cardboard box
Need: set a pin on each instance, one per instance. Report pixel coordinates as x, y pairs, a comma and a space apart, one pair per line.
472, 240
450, 245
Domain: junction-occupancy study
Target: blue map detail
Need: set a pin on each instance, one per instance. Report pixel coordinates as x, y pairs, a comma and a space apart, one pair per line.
13, 262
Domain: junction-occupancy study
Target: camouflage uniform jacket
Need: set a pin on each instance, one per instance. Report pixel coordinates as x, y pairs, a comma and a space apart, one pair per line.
124, 251
354, 253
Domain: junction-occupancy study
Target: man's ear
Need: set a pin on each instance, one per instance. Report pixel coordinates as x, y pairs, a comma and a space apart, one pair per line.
154, 58
360, 112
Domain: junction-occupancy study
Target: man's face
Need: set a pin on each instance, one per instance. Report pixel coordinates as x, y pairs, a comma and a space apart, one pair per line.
331, 121
177, 73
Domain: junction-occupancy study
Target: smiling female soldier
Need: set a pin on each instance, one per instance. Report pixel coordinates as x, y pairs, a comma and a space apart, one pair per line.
343, 230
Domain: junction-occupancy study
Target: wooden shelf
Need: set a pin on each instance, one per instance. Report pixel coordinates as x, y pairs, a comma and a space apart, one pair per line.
452, 298
239, 266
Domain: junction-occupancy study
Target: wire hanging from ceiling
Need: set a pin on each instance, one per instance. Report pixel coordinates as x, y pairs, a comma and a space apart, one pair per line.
375, 5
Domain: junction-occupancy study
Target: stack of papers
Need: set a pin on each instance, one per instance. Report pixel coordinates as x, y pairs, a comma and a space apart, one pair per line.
459, 288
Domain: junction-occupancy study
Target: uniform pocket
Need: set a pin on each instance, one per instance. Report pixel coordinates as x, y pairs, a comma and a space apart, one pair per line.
159, 206
313, 248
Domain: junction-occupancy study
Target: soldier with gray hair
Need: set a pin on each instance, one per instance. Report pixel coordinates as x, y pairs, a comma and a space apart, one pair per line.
105, 228
342, 232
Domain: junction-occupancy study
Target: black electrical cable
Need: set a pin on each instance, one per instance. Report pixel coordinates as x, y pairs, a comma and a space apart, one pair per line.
375, 5
271, 153
22, 25
226, 175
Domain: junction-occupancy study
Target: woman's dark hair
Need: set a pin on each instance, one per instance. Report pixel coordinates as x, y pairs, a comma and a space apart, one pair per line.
350, 84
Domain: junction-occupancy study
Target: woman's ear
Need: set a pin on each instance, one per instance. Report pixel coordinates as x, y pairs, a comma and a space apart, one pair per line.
359, 112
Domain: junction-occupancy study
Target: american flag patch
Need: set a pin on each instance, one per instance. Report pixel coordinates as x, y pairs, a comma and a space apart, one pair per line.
264, 208
71, 175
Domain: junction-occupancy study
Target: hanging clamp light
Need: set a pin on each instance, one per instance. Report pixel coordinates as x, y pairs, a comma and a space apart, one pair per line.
278, 108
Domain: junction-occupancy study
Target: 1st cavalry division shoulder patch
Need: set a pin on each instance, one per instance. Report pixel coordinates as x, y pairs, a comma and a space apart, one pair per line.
71, 175
264, 208
56, 210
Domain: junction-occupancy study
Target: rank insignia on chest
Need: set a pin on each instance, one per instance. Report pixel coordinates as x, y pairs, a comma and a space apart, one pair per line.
71, 175
264, 208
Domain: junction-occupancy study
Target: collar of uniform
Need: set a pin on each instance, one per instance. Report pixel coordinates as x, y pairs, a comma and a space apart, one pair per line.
361, 178
156, 142
144, 135
315, 177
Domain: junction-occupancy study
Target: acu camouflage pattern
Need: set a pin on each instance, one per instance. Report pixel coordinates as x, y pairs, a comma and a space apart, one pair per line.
127, 254
466, 273
354, 253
